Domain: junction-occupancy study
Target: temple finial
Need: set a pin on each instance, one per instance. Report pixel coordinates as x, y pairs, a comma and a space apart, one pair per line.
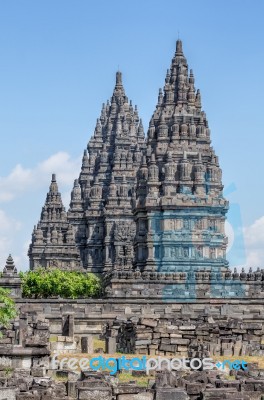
53, 185
179, 51
119, 78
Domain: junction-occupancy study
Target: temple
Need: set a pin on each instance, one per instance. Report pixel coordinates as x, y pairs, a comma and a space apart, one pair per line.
141, 204
180, 209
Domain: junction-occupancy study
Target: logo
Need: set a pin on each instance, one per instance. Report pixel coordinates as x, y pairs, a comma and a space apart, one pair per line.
113, 365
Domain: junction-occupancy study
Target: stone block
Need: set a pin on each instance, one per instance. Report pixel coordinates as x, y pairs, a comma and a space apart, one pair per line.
142, 342
36, 341
149, 322
237, 347
166, 341
38, 371
138, 396
223, 393
27, 396
7, 394
127, 388
168, 347
227, 352
70, 346
71, 389
87, 344
5, 362
5, 341
194, 388
147, 335
187, 328
69, 339
171, 394
182, 348
180, 341
110, 345
95, 393
172, 328
56, 346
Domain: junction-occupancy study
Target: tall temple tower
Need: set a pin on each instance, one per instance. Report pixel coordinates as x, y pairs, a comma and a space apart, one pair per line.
102, 200
149, 205
103, 197
180, 210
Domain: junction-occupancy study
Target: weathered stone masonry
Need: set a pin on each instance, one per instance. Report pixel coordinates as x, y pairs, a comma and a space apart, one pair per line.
201, 327
26, 373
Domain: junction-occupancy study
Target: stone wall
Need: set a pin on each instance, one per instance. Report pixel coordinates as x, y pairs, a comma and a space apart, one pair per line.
88, 316
203, 336
186, 286
25, 349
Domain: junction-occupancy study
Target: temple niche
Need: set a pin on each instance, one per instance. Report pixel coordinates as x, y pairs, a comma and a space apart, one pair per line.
143, 204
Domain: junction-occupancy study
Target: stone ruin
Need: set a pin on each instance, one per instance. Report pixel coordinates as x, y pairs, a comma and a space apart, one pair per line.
27, 374
202, 336
147, 214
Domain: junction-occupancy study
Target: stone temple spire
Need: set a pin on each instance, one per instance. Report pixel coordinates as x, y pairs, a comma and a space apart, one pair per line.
50, 246
119, 92
184, 192
107, 182
53, 210
53, 185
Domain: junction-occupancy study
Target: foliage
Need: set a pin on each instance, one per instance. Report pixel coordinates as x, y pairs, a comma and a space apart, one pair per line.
7, 307
44, 283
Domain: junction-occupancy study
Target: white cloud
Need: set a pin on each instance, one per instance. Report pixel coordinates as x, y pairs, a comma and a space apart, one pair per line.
8, 224
246, 245
230, 234
254, 243
22, 179
8, 227
61, 163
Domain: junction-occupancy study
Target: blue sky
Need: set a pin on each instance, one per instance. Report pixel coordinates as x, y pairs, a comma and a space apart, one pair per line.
58, 64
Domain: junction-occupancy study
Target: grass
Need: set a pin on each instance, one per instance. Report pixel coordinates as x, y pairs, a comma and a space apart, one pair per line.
8, 371
126, 377
61, 378
99, 344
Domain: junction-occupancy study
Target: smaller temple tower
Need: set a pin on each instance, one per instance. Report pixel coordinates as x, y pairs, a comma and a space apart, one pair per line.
53, 239
10, 279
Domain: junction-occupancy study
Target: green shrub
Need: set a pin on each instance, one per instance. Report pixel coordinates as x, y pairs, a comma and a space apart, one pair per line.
7, 307
44, 283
